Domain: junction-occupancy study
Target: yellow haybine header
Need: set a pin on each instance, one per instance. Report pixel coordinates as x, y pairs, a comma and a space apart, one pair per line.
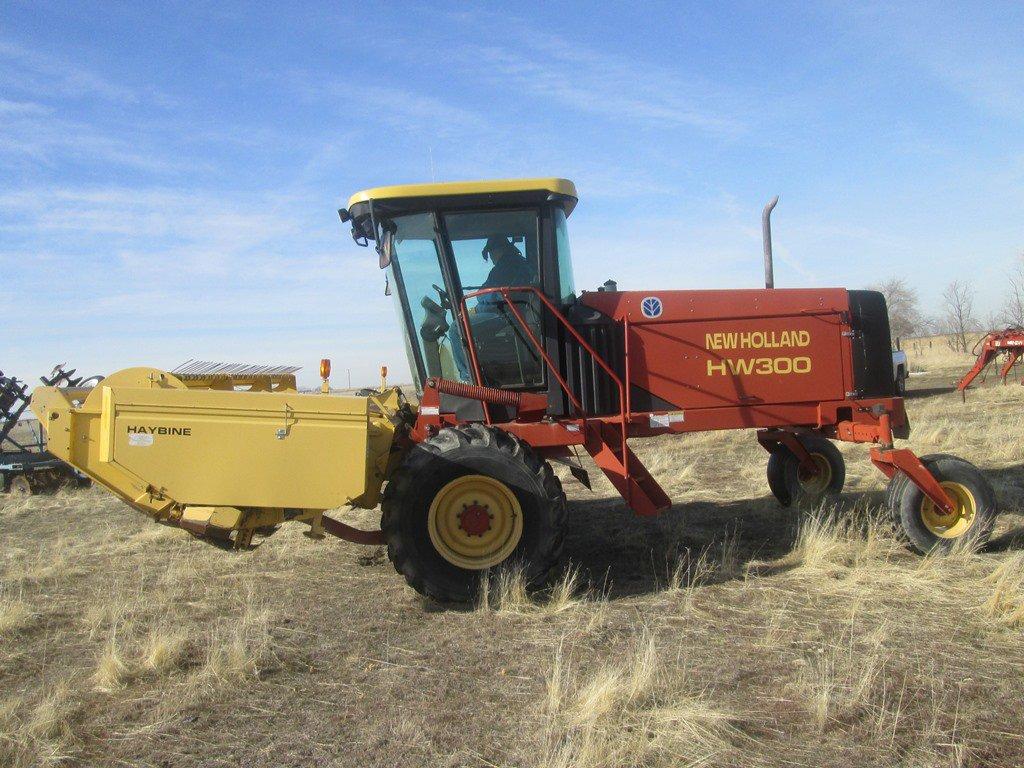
224, 449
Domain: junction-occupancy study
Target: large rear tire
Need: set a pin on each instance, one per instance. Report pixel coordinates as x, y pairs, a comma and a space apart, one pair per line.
923, 527
468, 503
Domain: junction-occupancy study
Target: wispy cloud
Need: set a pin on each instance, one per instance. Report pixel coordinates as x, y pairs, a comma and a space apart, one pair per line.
421, 113
38, 135
162, 261
395, 106
170, 234
55, 110
943, 41
162, 273
618, 88
605, 86
8, 107
31, 71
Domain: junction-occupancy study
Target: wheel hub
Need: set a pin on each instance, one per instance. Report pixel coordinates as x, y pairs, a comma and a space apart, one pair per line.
475, 519
475, 522
955, 523
815, 482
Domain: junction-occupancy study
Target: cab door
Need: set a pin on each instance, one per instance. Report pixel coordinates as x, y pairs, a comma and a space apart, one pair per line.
492, 249
434, 339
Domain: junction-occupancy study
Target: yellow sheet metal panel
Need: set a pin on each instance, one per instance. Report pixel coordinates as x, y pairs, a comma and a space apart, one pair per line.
242, 449
227, 518
74, 432
106, 447
261, 451
556, 185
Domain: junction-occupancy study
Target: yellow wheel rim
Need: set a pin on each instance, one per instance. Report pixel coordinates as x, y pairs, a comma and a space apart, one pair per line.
950, 525
817, 483
475, 522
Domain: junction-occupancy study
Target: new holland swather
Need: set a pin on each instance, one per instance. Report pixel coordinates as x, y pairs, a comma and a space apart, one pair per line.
514, 369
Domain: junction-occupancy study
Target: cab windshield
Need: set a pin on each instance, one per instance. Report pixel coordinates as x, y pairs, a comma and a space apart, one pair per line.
489, 249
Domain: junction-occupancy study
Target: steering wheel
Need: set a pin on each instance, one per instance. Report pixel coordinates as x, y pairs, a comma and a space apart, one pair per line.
446, 302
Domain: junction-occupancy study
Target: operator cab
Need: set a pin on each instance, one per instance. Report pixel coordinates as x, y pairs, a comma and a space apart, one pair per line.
442, 242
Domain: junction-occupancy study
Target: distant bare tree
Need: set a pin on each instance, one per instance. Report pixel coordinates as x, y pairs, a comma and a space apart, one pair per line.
931, 326
901, 299
958, 300
1013, 308
994, 320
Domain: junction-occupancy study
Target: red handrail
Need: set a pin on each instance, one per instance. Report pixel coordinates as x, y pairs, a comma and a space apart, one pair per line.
472, 355
625, 364
624, 413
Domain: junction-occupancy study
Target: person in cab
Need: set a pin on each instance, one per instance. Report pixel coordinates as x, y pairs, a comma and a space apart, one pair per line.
510, 269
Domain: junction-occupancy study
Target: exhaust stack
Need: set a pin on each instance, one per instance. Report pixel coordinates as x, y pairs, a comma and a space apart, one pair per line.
766, 235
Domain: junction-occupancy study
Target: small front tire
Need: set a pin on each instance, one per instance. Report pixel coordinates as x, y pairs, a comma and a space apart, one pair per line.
791, 484
777, 474
924, 527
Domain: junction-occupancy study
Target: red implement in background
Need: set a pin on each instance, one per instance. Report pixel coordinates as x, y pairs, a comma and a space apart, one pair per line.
1010, 341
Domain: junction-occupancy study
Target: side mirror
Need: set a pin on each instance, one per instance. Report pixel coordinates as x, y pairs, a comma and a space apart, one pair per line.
386, 248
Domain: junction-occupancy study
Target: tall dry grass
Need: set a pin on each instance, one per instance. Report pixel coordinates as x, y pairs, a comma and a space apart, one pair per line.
631, 713
509, 594
929, 353
15, 613
839, 680
844, 680
748, 635
141, 612
1005, 601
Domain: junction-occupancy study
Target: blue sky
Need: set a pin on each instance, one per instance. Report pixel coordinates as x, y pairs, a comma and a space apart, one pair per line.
170, 172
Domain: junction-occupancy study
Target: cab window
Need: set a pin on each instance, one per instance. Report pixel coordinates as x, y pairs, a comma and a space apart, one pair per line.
566, 284
436, 337
500, 249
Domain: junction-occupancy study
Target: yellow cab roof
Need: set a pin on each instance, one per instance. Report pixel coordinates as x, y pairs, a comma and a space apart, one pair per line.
562, 187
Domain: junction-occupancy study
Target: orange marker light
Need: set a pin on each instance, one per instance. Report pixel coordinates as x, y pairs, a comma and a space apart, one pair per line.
325, 368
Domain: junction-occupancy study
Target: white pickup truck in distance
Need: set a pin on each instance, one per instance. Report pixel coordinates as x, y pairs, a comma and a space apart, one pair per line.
900, 370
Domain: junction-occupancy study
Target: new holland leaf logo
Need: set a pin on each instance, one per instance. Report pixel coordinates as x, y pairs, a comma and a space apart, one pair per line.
651, 306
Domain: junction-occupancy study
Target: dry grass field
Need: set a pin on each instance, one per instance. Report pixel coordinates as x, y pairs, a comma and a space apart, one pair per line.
728, 632
26, 432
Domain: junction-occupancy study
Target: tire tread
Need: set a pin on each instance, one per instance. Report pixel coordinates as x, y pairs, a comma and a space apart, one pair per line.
450, 439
